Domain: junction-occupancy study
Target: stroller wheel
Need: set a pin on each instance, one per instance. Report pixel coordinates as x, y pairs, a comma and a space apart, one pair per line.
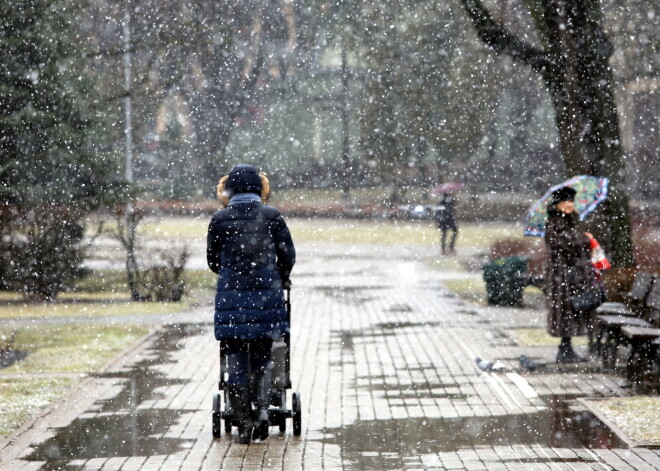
216, 416
297, 413
281, 417
228, 425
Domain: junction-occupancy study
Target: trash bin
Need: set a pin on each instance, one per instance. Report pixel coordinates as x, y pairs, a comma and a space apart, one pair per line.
505, 280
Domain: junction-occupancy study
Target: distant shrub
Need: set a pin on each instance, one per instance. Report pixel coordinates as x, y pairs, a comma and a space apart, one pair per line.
164, 281
509, 247
521, 248
41, 252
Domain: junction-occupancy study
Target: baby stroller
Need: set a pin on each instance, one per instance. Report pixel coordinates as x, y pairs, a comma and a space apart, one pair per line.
277, 411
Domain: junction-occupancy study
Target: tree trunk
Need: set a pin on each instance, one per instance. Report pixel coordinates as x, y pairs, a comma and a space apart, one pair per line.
563, 81
603, 134
576, 71
585, 110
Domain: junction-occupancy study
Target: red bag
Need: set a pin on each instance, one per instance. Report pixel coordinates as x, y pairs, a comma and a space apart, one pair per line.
598, 259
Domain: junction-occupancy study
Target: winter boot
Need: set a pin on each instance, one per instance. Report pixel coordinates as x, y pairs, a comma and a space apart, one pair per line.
263, 388
566, 354
239, 402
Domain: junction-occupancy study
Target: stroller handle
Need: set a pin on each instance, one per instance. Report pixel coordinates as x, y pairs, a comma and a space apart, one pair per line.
287, 302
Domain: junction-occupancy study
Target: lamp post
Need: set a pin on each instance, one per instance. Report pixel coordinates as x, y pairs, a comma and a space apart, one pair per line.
131, 262
345, 145
128, 105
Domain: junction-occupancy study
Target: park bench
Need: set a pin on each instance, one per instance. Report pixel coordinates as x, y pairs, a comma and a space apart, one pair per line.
643, 343
634, 299
609, 323
643, 360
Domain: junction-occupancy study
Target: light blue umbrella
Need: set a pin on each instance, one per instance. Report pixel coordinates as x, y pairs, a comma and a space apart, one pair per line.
589, 193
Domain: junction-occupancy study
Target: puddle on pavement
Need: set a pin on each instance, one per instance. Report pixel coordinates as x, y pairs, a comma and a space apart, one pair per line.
350, 294
400, 308
120, 428
417, 391
404, 325
109, 436
422, 393
328, 274
346, 338
468, 312
351, 256
387, 444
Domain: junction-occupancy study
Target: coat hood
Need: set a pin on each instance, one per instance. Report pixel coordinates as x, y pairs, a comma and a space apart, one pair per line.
224, 190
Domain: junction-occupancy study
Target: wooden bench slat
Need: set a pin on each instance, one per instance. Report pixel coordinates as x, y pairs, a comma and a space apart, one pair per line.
640, 333
614, 310
622, 321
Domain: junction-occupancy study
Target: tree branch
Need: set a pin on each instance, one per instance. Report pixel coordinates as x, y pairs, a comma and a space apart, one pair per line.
502, 40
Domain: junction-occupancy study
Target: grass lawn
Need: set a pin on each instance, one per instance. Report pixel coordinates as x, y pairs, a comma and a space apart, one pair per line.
86, 306
346, 231
472, 289
23, 397
112, 284
70, 347
540, 337
175, 228
636, 416
103, 293
54, 350
327, 196
396, 232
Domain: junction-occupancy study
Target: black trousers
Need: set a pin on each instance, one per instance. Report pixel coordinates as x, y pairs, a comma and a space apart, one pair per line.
443, 236
245, 358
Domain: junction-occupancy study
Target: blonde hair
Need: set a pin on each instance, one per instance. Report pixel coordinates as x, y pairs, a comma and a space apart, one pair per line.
223, 196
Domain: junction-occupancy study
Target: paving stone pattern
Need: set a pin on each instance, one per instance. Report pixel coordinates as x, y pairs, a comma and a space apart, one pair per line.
383, 356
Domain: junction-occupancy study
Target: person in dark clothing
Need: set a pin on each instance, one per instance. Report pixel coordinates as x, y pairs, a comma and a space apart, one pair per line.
446, 220
568, 272
249, 246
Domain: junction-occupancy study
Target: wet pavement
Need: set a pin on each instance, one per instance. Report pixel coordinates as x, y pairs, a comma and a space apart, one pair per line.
383, 357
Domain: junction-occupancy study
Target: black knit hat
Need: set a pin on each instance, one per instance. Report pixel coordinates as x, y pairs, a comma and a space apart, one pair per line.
563, 194
243, 179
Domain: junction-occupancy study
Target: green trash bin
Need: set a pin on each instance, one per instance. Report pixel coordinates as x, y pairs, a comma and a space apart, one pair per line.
505, 280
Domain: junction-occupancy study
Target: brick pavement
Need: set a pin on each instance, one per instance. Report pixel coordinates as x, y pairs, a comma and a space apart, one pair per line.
383, 357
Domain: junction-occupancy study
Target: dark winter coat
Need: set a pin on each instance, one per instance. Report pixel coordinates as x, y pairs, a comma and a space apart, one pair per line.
444, 216
250, 248
568, 273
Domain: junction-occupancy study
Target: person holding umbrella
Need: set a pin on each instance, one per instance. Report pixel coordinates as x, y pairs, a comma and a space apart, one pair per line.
446, 220
568, 272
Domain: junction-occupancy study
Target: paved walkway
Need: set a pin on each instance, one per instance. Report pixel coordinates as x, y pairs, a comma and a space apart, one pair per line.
383, 357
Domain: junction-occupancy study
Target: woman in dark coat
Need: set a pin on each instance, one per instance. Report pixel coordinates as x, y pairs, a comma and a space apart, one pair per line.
250, 248
568, 272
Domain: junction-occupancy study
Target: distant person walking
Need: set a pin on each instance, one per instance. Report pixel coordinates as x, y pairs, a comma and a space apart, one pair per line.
446, 220
568, 273
250, 248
